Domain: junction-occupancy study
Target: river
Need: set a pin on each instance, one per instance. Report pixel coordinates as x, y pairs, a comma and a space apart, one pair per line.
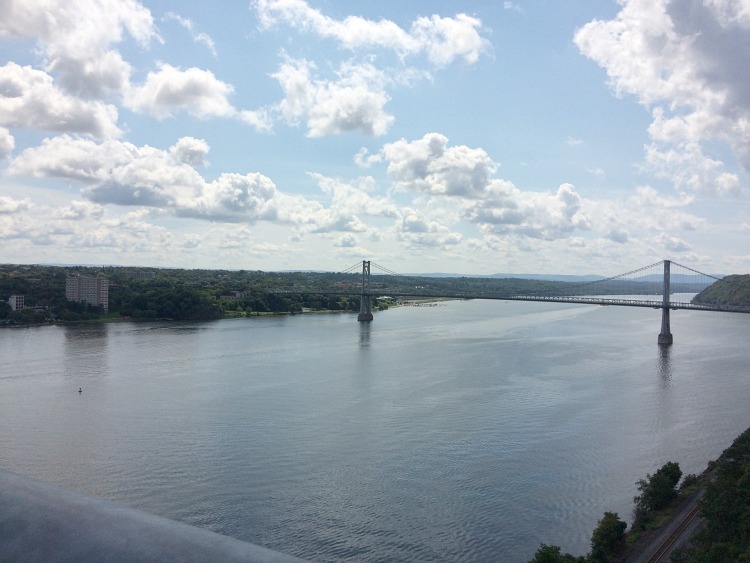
466, 431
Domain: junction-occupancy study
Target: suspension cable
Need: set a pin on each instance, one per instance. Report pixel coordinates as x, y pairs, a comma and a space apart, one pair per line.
696, 271
352, 268
582, 284
386, 270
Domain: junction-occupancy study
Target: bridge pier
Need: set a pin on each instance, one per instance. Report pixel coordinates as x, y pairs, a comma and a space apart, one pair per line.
365, 307
665, 336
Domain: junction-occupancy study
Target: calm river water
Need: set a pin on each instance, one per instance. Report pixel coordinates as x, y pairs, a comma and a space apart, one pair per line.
468, 431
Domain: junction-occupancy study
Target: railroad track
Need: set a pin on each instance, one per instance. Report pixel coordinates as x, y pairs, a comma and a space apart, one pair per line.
666, 545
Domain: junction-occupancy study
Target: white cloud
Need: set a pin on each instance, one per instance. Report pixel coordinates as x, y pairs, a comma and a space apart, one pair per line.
353, 102
76, 36
7, 143
688, 168
416, 229
428, 165
347, 240
447, 39
77, 159
648, 197
351, 199
118, 173
198, 37
442, 39
686, 60
261, 120
190, 151
234, 197
79, 210
674, 244
30, 99
541, 215
170, 89
9, 205
364, 159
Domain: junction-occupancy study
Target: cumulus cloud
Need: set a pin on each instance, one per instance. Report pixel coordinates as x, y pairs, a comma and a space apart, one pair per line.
190, 151
415, 228
686, 60
119, 173
352, 199
76, 36
688, 168
30, 99
7, 143
115, 172
353, 102
79, 210
235, 197
9, 205
442, 40
540, 215
193, 90
428, 165
347, 240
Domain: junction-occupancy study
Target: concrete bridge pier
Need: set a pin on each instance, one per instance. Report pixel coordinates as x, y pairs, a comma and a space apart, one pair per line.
665, 336
365, 307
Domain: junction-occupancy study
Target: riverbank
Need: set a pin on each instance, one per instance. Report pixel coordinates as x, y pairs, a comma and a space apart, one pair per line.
707, 520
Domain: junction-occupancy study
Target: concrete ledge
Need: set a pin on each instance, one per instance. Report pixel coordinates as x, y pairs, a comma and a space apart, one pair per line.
41, 522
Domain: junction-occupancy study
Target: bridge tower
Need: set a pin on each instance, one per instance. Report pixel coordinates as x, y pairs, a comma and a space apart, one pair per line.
665, 336
365, 309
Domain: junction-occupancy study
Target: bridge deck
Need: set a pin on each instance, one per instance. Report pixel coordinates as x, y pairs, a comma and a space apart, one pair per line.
655, 303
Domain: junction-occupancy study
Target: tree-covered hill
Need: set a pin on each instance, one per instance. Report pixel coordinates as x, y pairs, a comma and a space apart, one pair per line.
732, 291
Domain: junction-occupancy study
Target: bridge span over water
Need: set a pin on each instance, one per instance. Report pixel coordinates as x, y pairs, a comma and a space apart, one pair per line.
664, 285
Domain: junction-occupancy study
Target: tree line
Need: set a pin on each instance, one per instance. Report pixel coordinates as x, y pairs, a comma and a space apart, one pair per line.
157, 293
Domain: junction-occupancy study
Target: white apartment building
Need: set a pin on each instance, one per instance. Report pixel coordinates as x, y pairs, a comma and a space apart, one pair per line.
93, 290
16, 302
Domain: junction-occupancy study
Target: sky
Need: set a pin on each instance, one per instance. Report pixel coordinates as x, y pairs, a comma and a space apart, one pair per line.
473, 137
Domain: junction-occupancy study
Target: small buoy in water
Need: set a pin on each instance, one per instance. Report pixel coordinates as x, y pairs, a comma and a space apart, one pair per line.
80, 390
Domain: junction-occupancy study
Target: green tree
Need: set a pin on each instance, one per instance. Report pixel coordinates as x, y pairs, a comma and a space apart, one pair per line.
726, 508
553, 554
657, 490
608, 538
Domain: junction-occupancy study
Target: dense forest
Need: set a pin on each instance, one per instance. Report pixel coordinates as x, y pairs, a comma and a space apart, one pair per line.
726, 508
730, 291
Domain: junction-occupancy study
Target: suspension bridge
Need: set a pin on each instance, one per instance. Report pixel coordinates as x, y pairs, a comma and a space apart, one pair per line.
663, 285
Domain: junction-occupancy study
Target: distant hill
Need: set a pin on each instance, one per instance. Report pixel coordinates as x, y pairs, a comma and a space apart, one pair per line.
732, 290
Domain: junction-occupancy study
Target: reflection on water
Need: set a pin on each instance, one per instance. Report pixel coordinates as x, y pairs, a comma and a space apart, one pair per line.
364, 335
86, 350
665, 366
